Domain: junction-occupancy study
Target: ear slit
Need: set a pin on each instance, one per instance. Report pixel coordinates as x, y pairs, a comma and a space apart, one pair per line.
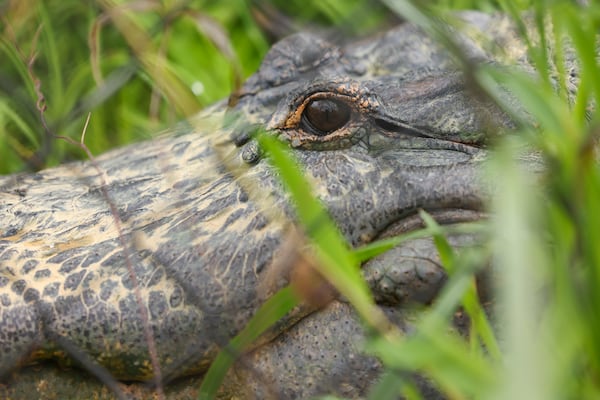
387, 125
400, 128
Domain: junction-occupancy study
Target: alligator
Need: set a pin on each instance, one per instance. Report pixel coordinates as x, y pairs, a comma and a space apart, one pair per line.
183, 237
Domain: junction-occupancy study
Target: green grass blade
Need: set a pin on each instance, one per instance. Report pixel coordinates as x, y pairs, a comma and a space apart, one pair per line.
519, 258
480, 326
442, 357
15, 118
53, 55
337, 263
373, 249
388, 387
270, 312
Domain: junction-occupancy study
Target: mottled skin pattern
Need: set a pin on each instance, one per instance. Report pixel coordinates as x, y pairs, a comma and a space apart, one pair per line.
202, 216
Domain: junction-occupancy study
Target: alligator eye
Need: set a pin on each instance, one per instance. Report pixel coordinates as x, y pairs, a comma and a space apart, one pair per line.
325, 115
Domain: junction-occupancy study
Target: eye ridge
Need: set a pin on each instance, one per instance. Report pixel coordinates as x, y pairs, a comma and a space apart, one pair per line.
323, 116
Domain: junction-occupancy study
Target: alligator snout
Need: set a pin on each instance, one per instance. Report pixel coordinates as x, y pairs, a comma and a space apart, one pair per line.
412, 272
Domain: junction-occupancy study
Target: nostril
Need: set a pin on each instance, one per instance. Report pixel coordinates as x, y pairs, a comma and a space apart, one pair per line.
251, 152
240, 138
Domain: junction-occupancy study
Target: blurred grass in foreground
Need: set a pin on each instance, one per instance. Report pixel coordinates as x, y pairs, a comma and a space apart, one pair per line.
546, 229
544, 235
546, 226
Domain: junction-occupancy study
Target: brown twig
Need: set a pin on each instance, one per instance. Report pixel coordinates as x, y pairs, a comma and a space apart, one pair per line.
41, 107
49, 136
37, 160
126, 253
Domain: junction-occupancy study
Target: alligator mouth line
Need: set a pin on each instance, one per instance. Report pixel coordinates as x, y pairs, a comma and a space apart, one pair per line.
412, 270
446, 216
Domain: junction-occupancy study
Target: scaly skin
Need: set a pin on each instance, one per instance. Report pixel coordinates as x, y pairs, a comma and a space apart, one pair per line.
203, 217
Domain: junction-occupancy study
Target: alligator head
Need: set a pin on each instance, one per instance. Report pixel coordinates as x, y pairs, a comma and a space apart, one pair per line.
170, 241
381, 128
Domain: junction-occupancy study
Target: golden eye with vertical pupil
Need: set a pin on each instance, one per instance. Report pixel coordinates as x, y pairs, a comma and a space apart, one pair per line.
323, 116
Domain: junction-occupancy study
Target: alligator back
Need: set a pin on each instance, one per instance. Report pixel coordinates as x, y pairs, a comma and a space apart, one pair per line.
158, 236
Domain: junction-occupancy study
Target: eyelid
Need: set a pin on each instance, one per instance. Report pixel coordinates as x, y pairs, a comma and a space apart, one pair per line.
293, 132
287, 118
295, 116
290, 107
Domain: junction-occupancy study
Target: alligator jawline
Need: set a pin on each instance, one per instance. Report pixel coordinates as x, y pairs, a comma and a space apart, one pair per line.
446, 216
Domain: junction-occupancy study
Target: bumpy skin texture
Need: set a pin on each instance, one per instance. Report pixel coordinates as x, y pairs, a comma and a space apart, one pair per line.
202, 216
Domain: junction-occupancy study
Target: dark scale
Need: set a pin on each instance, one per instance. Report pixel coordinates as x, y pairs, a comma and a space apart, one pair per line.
51, 290
29, 266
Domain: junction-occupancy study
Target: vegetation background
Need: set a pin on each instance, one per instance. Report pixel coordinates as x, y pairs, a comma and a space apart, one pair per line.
140, 66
